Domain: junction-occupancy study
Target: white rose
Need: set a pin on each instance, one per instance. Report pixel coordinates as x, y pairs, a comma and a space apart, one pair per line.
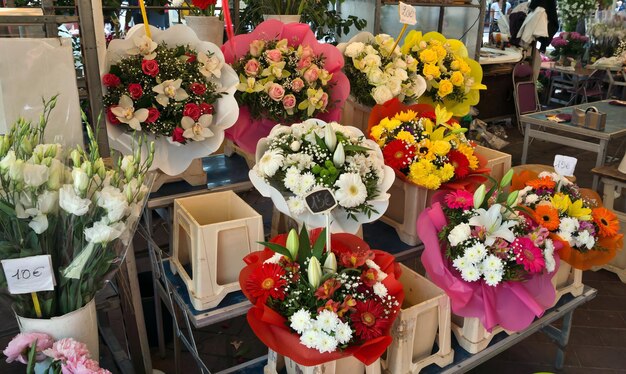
459, 234
376, 77
354, 49
113, 201
101, 232
39, 224
7, 161
372, 61
48, 202
395, 86
35, 175
381, 94
71, 202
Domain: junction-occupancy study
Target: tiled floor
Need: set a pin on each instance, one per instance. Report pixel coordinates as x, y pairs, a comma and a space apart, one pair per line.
597, 342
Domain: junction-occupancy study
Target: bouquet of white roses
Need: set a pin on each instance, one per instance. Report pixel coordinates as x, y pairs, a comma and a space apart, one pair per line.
378, 72
79, 212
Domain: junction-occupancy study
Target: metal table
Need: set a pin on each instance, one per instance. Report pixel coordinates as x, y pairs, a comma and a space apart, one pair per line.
547, 130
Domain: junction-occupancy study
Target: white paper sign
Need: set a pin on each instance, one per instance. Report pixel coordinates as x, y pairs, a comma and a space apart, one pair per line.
29, 274
565, 165
407, 13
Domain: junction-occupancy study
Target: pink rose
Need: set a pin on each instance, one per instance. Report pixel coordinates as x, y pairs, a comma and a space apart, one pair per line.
256, 47
312, 74
306, 51
153, 115
252, 67
111, 80
324, 100
297, 85
192, 110
289, 102
18, 347
305, 62
135, 90
274, 55
276, 92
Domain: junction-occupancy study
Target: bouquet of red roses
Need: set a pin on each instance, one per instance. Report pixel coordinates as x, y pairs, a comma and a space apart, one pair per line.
315, 305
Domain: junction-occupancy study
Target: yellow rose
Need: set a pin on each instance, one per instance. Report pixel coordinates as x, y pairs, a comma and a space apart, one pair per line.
377, 131
455, 65
428, 56
464, 67
431, 71
441, 52
390, 124
445, 88
457, 79
406, 136
440, 147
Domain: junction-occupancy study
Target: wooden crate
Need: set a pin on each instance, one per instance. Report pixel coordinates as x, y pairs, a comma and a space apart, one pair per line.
498, 162
194, 175
231, 148
471, 334
276, 363
424, 318
212, 234
406, 202
355, 114
567, 280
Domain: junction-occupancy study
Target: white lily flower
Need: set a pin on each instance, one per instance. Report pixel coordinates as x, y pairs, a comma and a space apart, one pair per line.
170, 89
126, 113
210, 66
491, 221
143, 46
197, 131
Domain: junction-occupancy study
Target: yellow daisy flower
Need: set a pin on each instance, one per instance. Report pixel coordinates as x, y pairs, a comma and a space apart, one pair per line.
377, 132
431, 181
406, 136
390, 124
468, 152
407, 116
446, 172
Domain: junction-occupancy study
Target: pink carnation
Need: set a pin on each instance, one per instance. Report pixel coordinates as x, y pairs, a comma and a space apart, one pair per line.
82, 366
68, 349
459, 199
528, 255
17, 350
559, 42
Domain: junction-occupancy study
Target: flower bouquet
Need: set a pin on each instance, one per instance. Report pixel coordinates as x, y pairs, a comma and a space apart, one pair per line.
296, 160
589, 233
569, 44
377, 73
453, 79
572, 11
314, 305
173, 87
285, 76
493, 261
41, 353
68, 205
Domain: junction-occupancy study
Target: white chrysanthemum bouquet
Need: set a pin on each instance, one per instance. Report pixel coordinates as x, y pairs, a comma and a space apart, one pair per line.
69, 205
299, 159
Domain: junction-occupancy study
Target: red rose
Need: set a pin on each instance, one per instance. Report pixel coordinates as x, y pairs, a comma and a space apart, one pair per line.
198, 88
111, 117
177, 135
192, 110
111, 80
135, 90
150, 67
153, 115
206, 108
203, 4
192, 57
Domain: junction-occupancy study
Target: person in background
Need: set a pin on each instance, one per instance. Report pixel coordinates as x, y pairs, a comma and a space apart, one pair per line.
496, 12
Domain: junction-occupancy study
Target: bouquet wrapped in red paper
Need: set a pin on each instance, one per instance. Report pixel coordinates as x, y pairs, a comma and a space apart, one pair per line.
426, 146
315, 306
589, 233
493, 261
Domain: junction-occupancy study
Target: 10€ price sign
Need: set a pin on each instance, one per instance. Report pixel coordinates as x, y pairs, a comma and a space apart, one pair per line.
29, 274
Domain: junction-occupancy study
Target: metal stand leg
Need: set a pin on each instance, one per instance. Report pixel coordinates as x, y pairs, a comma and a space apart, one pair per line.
526, 141
157, 299
561, 338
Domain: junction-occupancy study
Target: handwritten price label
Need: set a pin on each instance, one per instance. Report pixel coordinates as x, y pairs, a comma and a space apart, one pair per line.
407, 13
320, 201
565, 165
29, 274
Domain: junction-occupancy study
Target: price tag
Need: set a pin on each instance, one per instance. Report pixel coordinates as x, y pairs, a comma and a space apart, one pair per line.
407, 13
29, 274
565, 165
320, 201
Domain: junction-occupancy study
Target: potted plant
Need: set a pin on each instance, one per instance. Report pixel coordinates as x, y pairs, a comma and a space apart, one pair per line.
203, 21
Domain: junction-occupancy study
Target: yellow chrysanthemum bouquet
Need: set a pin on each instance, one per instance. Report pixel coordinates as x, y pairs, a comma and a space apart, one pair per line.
453, 79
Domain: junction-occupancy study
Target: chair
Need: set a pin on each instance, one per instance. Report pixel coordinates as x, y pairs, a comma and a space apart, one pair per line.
525, 91
612, 82
589, 87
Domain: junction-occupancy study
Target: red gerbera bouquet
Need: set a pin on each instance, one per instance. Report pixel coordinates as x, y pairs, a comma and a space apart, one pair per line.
423, 144
315, 306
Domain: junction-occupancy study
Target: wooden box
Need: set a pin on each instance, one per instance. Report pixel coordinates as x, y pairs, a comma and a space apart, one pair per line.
212, 234
423, 320
356, 115
498, 162
471, 334
618, 264
276, 363
567, 280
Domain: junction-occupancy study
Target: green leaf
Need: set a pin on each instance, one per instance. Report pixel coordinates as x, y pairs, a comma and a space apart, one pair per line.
7, 209
278, 249
320, 142
30, 368
318, 247
355, 148
304, 252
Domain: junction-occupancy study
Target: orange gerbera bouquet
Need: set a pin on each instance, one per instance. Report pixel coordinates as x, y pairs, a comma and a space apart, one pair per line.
589, 232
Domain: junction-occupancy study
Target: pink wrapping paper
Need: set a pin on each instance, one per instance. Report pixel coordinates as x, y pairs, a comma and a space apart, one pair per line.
512, 305
247, 131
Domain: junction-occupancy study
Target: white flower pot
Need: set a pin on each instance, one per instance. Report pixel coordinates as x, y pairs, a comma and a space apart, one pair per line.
284, 18
81, 325
276, 363
208, 29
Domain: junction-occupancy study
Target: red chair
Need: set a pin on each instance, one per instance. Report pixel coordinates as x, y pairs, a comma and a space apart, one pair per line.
525, 92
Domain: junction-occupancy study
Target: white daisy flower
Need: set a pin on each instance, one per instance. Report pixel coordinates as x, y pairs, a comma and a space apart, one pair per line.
327, 321
292, 178
567, 236
380, 290
343, 334
326, 343
569, 224
492, 263
296, 205
301, 321
310, 338
548, 254
493, 278
351, 191
531, 199
270, 162
475, 253
470, 273
460, 263
307, 181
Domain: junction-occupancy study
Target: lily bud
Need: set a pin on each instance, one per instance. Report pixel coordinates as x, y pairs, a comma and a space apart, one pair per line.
314, 272
512, 198
330, 265
26, 147
330, 138
479, 196
293, 244
339, 157
506, 180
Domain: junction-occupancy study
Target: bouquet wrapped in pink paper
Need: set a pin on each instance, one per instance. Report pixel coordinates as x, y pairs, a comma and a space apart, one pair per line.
285, 77
494, 262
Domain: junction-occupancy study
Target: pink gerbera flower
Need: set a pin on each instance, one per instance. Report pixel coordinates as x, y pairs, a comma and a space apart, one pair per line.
460, 199
528, 255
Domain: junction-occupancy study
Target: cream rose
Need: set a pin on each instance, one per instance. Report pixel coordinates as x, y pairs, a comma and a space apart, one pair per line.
289, 102
296, 85
354, 49
274, 55
256, 47
381, 94
276, 91
312, 74
252, 67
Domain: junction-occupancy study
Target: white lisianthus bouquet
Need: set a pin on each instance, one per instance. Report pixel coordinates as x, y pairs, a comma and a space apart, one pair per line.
69, 205
571, 11
378, 72
299, 159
